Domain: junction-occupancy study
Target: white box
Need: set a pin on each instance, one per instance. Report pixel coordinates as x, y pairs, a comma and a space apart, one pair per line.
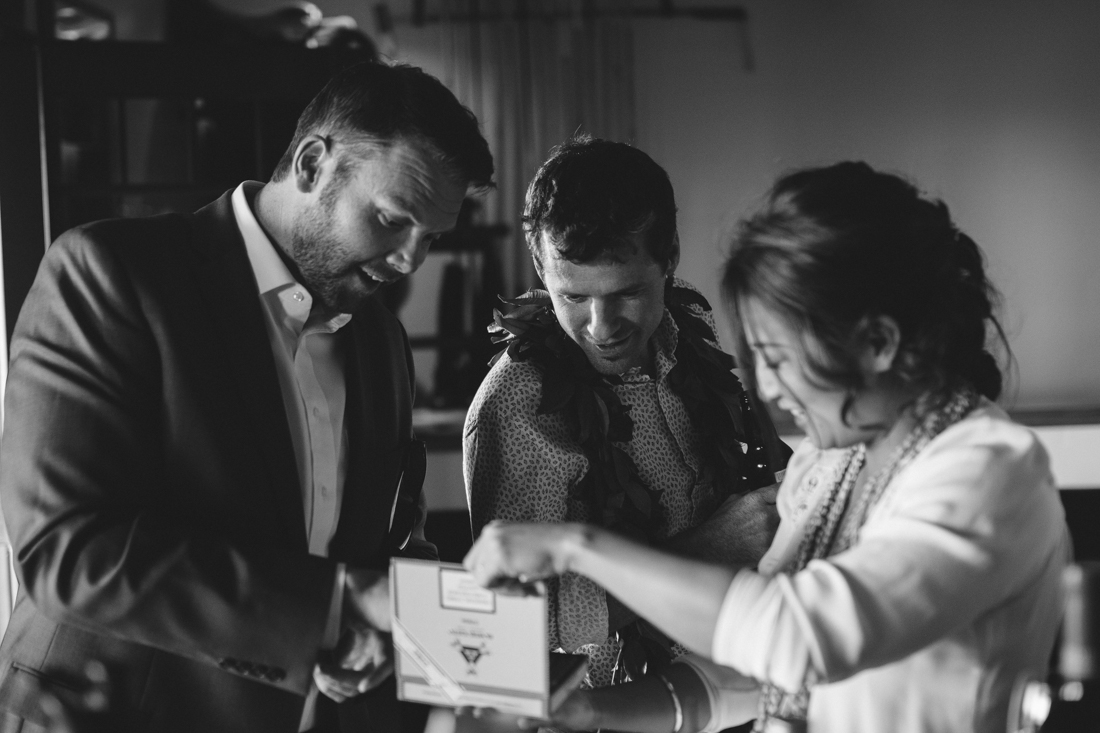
459, 644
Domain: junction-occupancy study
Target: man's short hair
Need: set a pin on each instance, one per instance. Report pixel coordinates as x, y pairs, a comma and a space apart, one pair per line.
377, 104
593, 196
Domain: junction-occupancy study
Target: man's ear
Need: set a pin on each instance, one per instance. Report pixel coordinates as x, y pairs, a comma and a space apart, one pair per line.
882, 339
308, 158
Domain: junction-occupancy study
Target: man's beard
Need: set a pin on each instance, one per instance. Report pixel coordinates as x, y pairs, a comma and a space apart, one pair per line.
315, 250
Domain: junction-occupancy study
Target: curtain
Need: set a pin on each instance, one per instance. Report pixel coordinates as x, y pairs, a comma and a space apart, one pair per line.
536, 72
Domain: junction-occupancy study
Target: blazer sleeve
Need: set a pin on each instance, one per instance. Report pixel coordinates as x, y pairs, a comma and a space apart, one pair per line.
82, 489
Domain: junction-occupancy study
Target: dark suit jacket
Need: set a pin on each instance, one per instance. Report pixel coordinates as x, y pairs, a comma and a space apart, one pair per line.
149, 485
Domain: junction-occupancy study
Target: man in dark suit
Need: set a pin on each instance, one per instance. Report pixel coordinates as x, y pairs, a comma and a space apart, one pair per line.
208, 457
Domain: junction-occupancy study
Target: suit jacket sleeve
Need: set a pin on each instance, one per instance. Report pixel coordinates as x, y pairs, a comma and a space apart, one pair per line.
84, 490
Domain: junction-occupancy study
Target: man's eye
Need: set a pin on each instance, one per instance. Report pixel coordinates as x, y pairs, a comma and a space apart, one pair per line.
572, 298
390, 223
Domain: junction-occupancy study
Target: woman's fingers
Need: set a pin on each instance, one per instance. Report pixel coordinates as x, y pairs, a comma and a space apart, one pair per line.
509, 553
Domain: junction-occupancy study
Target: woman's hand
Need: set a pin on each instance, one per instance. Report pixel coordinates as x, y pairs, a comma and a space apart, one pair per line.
507, 554
679, 596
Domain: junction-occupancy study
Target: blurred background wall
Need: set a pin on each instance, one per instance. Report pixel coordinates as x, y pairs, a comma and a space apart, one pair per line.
993, 106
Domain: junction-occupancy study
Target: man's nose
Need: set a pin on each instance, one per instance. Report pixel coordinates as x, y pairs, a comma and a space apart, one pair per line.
409, 254
602, 321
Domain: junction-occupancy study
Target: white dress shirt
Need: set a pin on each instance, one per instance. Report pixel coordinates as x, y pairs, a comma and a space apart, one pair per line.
309, 360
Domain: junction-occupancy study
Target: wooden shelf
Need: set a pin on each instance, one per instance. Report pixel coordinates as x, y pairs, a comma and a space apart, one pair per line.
134, 189
134, 70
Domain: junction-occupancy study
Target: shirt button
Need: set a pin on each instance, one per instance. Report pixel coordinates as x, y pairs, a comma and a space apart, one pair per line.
316, 412
299, 296
324, 491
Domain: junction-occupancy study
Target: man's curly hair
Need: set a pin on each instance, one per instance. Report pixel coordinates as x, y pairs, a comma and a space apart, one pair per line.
592, 197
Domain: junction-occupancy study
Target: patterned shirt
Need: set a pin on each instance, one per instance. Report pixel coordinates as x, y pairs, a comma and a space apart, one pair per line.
522, 466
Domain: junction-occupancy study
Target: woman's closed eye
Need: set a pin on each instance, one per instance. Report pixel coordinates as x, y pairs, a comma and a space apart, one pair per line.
770, 361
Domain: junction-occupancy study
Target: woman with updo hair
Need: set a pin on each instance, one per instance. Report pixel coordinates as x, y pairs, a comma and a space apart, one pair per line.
915, 575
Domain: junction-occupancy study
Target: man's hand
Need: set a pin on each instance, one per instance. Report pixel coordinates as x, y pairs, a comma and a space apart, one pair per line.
360, 662
738, 533
363, 657
366, 600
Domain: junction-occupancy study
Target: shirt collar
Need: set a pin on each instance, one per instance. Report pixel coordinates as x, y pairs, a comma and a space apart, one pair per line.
273, 278
663, 344
270, 270
664, 341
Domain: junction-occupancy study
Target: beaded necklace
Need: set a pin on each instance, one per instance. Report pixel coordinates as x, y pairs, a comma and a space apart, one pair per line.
830, 533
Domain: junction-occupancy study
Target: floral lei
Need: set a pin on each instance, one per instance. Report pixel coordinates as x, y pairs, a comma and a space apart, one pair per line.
702, 378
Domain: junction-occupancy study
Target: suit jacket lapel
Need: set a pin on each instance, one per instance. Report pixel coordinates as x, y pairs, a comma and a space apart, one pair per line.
376, 446
228, 281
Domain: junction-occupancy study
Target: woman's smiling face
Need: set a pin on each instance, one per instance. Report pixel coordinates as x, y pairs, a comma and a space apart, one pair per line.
783, 376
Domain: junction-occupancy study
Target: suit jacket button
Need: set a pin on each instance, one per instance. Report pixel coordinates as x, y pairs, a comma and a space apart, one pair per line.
277, 675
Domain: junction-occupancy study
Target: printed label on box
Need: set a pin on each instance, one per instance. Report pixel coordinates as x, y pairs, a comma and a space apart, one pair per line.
460, 592
466, 644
